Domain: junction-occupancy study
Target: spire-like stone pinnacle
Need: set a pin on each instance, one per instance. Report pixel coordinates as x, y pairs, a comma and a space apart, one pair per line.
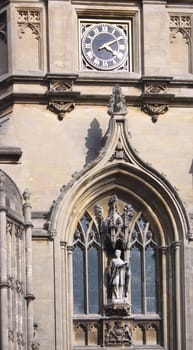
117, 104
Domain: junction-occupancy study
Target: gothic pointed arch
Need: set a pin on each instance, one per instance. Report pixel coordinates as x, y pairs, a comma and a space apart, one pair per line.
87, 231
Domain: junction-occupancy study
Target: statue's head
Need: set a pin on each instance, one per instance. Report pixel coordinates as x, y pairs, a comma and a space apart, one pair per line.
117, 253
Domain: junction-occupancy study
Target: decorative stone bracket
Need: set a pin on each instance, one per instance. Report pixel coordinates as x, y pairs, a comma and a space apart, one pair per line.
60, 94
155, 98
61, 108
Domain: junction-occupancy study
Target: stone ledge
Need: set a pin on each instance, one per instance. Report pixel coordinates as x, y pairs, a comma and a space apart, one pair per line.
10, 154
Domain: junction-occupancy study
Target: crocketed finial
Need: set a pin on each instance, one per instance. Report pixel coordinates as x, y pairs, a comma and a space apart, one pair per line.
117, 104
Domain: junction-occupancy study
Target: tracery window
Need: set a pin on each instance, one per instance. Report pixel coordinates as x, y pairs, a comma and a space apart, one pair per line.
115, 276
143, 269
86, 267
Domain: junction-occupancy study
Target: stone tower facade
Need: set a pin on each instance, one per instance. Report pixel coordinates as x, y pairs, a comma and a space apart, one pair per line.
96, 178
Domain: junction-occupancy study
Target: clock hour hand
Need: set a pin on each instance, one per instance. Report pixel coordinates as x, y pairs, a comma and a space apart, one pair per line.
108, 48
104, 46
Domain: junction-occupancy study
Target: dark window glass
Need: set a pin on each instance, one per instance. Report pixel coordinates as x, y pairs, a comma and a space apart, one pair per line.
85, 221
150, 271
93, 281
136, 280
78, 280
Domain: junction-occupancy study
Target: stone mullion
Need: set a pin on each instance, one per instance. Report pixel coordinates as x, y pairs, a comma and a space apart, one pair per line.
3, 269
143, 286
164, 295
64, 293
176, 248
70, 297
17, 297
19, 292
13, 268
29, 282
10, 290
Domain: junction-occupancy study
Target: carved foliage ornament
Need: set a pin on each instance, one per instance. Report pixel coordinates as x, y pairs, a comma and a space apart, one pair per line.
154, 110
180, 24
29, 19
61, 108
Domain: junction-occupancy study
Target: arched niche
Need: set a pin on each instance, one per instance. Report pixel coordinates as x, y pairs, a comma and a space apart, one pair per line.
130, 183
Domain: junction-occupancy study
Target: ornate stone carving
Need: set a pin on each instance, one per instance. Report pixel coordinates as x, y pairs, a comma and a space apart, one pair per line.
19, 287
11, 335
118, 333
190, 233
61, 86
2, 180
180, 24
119, 153
29, 19
154, 110
11, 282
117, 104
155, 88
18, 231
35, 345
116, 227
61, 108
9, 228
89, 325
3, 28
20, 339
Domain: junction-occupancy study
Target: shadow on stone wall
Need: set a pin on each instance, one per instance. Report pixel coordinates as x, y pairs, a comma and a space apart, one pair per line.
93, 141
191, 171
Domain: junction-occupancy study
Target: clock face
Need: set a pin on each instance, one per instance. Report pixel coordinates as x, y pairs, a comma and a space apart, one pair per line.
104, 46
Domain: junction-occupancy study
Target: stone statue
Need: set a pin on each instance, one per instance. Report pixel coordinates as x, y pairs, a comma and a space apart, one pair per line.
119, 278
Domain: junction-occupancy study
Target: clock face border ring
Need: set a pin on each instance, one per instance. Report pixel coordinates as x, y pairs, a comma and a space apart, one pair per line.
104, 46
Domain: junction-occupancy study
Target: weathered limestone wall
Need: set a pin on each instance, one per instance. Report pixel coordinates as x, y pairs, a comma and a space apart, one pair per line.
53, 150
44, 314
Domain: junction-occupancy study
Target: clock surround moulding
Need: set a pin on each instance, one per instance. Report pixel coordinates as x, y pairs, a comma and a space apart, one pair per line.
105, 45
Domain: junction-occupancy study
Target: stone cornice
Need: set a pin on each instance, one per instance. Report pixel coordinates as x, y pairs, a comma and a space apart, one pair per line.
10, 154
60, 89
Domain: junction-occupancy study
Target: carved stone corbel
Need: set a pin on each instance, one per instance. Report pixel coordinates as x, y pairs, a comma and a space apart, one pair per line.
155, 97
61, 95
154, 110
61, 108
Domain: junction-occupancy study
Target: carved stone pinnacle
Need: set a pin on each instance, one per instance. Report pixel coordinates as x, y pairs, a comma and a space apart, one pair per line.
26, 195
117, 104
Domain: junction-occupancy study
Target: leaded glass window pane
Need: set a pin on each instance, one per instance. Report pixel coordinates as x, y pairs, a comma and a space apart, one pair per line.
93, 281
78, 281
150, 271
136, 280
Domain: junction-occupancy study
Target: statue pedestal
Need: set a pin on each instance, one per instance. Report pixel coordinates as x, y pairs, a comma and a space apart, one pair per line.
118, 308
